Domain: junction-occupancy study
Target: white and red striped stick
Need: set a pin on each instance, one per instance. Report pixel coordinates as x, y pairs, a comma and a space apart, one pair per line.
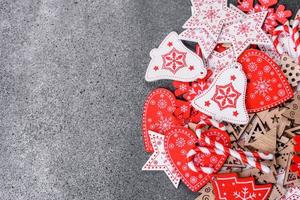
290, 42
251, 161
246, 157
190, 156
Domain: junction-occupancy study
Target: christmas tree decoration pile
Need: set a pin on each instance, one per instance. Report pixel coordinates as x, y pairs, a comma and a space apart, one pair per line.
228, 126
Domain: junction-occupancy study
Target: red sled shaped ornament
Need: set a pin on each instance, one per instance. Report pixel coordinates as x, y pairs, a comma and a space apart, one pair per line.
229, 187
267, 85
224, 100
172, 60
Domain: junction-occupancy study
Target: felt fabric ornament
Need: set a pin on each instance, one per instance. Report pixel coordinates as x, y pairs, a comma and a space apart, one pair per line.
211, 15
179, 141
172, 60
158, 114
229, 187
224, 100
158, 160
267, 85
245, 32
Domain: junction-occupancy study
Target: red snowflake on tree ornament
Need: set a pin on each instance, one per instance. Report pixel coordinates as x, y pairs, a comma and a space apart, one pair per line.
174, 60
273, 18
226, 96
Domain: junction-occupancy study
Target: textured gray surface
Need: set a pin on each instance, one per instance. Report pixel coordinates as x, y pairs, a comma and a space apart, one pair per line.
71, 97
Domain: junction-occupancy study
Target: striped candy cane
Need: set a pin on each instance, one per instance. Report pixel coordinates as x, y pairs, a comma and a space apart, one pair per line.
251, 161
246, 157
290, 43
192, 153
190, 157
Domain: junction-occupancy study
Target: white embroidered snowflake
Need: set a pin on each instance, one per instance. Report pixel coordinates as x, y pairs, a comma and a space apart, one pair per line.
182, 87
184, 108
165, 124
180, 142
162, 104
252, 66
244, 195
245, 4
262, 87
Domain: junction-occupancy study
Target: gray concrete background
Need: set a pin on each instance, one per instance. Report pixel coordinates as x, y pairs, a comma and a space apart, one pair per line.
71, 97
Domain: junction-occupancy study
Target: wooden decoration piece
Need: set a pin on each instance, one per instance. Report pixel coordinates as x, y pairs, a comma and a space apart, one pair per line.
293, 111
266, 142
277, 192
291, 69
206, 193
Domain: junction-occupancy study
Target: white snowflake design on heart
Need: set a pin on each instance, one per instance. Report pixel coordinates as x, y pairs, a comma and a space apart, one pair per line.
262, 87
180, 142
164, 124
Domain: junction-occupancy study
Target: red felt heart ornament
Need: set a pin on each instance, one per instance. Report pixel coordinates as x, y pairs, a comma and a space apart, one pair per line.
267, 85
179, 141
158, 114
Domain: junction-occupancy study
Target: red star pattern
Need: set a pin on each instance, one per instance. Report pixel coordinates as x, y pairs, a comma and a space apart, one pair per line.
174, 60
191, 68
155, 68
235, 113
233, 77
226, 96
170, 44
207, 103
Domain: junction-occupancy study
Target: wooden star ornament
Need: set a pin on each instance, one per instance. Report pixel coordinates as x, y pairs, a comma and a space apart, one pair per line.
158, 160
245, 32
211, 15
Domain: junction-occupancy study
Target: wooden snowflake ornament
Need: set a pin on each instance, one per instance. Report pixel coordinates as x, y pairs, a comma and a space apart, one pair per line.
172, 60
224, 100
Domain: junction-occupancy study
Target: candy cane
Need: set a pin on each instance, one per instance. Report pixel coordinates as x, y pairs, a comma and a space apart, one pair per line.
191, 154
239, 155
210, 122
276, 34
190, 157
244, 156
